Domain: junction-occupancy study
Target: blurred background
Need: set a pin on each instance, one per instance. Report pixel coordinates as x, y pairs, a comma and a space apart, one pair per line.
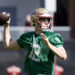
63, 13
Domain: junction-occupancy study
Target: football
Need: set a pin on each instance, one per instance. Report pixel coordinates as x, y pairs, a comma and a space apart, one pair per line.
4, 17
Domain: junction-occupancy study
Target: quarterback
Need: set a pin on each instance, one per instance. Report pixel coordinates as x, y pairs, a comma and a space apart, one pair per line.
41, 45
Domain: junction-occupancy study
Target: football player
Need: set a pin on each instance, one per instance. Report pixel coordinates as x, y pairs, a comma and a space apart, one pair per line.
41, 45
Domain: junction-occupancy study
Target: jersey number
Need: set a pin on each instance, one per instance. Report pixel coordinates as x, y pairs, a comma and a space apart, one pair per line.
35, 52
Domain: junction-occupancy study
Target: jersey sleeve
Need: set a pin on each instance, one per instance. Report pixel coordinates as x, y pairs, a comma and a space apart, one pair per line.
23, 41
56, 40
20, 41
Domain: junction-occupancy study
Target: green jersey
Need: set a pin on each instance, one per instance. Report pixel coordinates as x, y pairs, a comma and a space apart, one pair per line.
39, 58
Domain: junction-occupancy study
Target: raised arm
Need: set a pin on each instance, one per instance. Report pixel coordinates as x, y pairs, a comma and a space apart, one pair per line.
60, 51
8, 43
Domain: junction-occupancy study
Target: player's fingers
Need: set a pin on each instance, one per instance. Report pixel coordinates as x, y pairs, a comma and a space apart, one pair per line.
43, 35
8, 22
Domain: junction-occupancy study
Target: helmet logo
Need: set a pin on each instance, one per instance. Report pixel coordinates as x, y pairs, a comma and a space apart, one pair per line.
40, 13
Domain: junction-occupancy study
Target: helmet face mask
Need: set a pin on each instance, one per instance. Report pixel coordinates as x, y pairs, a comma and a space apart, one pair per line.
44, 22
41, 18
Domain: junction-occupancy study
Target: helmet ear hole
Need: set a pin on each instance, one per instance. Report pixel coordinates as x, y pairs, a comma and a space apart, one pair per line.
34, 22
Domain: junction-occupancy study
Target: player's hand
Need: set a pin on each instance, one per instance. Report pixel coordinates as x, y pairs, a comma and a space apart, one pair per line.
8, 22
44, 38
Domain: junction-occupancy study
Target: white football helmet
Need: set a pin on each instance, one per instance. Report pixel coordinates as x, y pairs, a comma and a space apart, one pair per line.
40, 14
